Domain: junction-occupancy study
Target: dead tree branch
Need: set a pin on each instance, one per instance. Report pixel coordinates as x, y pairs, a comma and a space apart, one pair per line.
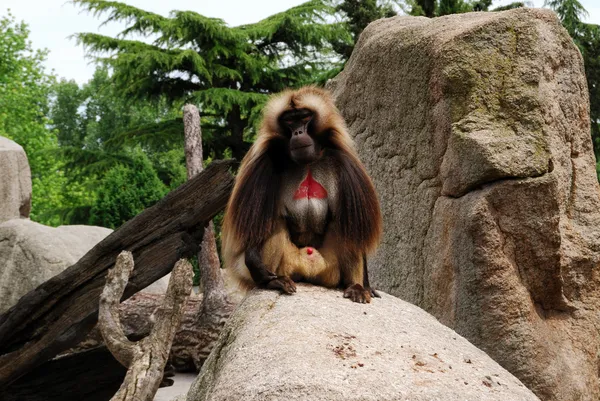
145, 359
208, 257
195, 341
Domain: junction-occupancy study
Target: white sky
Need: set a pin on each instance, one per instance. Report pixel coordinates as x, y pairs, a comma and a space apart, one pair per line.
52, 22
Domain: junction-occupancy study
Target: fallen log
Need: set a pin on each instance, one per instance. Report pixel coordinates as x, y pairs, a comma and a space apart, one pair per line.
91, 375
60, 312
89, 372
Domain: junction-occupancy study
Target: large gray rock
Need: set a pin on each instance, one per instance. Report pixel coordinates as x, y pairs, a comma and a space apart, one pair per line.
316, 345
475, 128
31, 253
15, 181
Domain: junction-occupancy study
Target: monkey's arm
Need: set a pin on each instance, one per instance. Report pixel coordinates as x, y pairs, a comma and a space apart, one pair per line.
265, 278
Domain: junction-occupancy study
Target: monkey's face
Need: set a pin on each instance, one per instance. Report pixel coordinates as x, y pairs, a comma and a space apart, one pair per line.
298, 126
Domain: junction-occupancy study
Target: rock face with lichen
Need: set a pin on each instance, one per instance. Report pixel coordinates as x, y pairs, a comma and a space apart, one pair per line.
475, 128
316, 345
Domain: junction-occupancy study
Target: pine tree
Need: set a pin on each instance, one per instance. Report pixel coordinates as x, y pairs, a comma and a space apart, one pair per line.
227, 71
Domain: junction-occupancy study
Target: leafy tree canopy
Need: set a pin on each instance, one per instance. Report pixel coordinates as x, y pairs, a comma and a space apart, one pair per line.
228, 71
90, 121
24, 92
133, 103
126, 191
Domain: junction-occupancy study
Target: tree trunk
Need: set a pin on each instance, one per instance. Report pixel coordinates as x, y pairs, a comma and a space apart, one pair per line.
60, 312
208, 257
216, 307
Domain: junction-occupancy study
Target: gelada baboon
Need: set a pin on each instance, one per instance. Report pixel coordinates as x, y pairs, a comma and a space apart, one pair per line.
303, 207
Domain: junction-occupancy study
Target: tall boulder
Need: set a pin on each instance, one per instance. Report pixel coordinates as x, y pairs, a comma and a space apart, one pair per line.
316, 345
15, 181
475, 128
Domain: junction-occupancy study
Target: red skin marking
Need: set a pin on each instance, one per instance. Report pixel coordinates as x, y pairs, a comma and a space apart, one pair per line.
309, 251
310, 188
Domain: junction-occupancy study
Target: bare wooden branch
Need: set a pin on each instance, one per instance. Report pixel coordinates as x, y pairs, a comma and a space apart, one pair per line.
146, 359
193, 140
216, 307
208, 257
109, 321
60, 312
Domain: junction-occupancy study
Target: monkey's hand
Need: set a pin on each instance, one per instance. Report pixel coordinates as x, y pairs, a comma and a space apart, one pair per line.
283, 284
358, 293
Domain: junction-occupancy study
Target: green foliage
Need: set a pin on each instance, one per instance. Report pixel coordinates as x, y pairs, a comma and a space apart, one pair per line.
132, 105
125, 191
24, 91
93, 123
68, 98
510, 6
227, 71
425, 8
446, 7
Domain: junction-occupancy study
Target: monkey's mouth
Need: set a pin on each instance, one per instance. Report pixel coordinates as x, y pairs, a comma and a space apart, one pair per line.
301, 147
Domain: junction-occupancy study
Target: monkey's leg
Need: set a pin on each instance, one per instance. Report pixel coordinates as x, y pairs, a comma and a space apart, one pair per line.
366, 284
265, 278
352, 276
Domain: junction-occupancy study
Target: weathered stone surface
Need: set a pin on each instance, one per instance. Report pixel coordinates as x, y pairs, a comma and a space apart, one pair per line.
15, 181
316, 345
475, 128
31, 253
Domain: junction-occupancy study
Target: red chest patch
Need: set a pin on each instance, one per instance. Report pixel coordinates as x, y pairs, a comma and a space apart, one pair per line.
309, 188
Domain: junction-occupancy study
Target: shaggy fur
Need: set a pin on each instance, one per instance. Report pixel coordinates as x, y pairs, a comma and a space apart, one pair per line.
257, 211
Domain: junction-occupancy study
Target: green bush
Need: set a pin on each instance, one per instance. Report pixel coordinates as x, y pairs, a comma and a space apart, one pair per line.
125, 191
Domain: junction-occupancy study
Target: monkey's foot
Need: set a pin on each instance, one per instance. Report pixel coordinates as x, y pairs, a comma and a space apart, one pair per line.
358, 294
283, 284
